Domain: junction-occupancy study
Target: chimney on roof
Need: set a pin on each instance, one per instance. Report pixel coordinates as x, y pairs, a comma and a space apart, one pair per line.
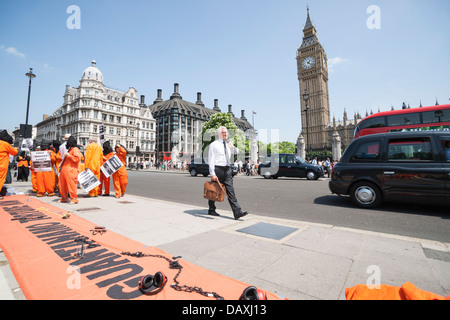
216, 105
199, 99
142, 103
159, 97
243, 115
175, 94
230, 110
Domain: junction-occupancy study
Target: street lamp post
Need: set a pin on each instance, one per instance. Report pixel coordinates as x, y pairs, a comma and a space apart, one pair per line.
30, 75
306, 98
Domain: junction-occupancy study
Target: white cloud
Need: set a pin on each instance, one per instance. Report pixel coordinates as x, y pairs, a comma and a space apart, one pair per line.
334, 62
13, 51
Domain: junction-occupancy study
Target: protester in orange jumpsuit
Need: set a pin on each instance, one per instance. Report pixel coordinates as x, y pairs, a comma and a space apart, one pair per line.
107, 154
45, 181
93, 160
55, 147
68, 178
32, 173
120, 177
22, 167
6, 149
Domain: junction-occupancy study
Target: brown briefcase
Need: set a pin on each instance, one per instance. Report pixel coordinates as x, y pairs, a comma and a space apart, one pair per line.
214, 191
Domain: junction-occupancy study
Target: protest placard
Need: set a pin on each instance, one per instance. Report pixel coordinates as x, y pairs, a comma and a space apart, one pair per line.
112, 165
26, 145
41, 161
88, 180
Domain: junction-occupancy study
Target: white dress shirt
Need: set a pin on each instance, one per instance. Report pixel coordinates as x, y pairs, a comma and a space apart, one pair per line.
216, 155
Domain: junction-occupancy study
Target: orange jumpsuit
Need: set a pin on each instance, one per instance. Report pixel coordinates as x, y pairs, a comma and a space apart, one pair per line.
33, 177
22, 174
68, 177
45, 181
120, 177
58, 161
5, 150
93, 160
103, 179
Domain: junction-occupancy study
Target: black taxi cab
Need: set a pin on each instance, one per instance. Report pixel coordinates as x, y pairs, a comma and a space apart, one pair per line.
403, 166
289, 165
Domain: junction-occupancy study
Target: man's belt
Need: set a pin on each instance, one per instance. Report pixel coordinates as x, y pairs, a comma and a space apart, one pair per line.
223, 167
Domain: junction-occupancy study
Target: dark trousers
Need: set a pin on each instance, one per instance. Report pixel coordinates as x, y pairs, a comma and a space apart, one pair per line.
226, 178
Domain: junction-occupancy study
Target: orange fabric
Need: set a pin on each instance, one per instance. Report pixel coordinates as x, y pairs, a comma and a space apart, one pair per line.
22, 162
120, 177
33, 177
93, 160
68, 177
41, 248
5, 150
121, 154
45, 181
407, 291
103, 180
57, 163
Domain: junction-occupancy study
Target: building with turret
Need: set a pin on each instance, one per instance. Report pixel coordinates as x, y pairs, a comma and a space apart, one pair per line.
92, 106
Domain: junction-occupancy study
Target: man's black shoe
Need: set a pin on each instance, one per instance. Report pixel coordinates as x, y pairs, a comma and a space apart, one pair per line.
213, 213
240, 215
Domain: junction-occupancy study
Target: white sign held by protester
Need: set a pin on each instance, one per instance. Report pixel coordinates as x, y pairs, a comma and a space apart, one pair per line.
41, 161
112, 165
88, 180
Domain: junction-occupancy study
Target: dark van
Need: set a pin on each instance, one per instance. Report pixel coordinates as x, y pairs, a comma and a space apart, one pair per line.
289, 165
402, 166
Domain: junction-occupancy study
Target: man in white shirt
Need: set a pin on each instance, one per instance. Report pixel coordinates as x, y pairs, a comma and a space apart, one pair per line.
220, 170
62, 147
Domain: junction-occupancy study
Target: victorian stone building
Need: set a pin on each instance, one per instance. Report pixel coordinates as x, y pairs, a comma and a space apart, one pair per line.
92, 106
125, 119
179, 123
312, 69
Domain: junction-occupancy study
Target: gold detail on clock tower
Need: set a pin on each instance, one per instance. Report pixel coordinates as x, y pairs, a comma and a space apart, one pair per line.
313, 79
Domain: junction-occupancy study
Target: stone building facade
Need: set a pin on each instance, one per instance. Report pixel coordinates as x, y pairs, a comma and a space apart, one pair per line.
179, 123
93, 105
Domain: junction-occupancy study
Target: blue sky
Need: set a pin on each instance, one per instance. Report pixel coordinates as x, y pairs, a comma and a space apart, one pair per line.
239, 52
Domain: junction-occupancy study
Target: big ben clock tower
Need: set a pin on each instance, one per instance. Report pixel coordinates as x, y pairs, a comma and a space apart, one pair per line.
313, 80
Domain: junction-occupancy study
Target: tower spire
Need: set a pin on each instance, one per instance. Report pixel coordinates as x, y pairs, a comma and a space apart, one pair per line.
308, 24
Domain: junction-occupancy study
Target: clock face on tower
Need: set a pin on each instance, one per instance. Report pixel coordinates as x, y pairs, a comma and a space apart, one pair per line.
308, 62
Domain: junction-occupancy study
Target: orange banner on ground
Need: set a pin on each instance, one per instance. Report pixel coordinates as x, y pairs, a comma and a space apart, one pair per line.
58, 255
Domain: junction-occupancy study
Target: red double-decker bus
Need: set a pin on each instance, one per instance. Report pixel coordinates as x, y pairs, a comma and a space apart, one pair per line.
414, 119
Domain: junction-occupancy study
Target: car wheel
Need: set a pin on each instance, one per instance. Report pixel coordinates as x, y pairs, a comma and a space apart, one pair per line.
311, 175
267, 175
366, 195
193, 172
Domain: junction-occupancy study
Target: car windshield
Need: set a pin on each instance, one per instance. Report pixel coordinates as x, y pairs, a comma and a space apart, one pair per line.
298, 158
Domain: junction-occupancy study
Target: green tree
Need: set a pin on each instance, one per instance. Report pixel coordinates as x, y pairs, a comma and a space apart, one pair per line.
209, 131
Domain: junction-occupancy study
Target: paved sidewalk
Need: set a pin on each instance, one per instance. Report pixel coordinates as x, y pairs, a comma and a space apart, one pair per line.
293, 259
